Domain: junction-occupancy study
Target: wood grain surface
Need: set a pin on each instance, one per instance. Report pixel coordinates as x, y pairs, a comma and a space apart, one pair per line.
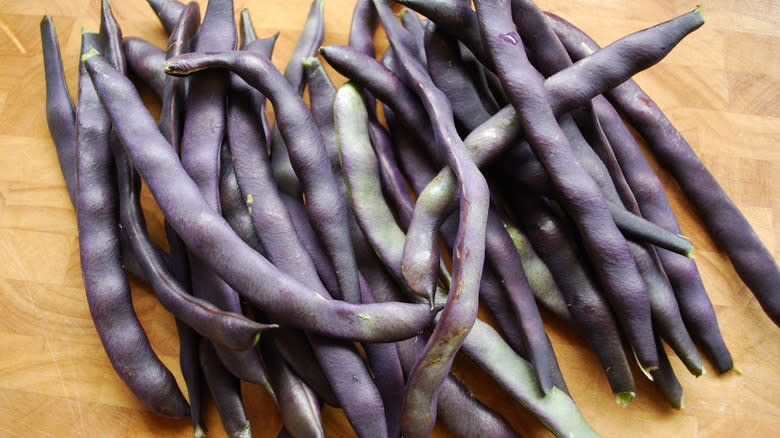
720, 87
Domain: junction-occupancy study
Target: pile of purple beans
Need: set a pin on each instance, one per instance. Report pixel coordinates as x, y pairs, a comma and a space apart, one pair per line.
337, 252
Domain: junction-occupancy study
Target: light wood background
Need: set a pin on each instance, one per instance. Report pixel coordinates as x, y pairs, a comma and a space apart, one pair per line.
720, 88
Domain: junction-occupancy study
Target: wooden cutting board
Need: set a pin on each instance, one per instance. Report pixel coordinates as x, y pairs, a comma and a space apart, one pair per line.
719, 87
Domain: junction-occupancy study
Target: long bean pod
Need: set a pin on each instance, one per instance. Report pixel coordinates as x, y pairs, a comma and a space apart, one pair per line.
167, 11
60, 110
309, 40
107, 288
145, 61
460, 311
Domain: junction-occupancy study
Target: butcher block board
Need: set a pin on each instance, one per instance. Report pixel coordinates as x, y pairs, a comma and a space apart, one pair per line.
719, 87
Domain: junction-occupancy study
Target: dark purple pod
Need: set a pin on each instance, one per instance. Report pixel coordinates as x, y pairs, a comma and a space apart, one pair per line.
60, 111
107, 288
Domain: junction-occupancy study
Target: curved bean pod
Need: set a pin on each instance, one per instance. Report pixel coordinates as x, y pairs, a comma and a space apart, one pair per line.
174, 88
297, 403
60, 111
309, 39
281, 297
167, 11
146, 60
226, 390
362, 27
460, 310
107, 289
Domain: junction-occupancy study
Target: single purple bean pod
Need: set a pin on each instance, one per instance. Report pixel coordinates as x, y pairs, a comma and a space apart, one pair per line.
294, 347
412, 23
363, 25
264, 46
174, 89
167, 11
107, 288
388, 374
309, 40
665, 380
578, 192
460, 311
204, 121
297, 403
226, 391
724, 222
146, 60
189, 361
361, 37
682, 272
455, 18
449, 74
322, 92
246, 30
60, 111
111, 37
281, 297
